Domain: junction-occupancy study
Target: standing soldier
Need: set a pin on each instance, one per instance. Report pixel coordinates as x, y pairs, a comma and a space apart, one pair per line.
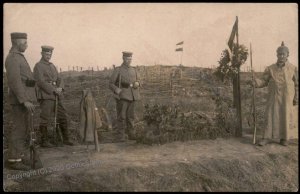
21, 97
282, 81
50, 85
125, 84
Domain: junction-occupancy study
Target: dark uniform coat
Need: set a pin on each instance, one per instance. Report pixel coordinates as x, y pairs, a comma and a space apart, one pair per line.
17, 72
48, 79
127, 75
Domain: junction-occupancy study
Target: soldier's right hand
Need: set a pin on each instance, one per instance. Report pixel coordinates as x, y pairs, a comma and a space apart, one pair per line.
57, 91
118, 91
29, 106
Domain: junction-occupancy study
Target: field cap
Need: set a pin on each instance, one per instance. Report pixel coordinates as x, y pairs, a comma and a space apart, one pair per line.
47, 48
127, 54
18, 35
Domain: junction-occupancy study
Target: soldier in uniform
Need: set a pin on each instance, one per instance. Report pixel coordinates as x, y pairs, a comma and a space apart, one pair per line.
124, 82
21, 97
50, 85
282, 81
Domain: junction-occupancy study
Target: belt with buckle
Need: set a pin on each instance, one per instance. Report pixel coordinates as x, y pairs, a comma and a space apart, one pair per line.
125, 85
52, 82
30, 83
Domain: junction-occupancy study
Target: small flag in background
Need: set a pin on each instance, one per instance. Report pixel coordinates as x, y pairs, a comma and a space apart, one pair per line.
179, 49
180, 43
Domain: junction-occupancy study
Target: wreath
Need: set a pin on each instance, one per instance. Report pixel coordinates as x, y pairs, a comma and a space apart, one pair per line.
229, 64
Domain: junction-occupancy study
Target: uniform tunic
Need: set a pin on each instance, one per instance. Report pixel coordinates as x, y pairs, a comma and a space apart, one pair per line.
282, 84
17, 72
128, 75
45, 74
48, 79
124, 77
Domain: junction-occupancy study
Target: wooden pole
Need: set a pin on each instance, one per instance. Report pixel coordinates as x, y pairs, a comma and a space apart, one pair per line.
239, 108
181, 58
253, 99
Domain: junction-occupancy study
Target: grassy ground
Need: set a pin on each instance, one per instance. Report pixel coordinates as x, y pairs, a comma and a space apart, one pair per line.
208, 165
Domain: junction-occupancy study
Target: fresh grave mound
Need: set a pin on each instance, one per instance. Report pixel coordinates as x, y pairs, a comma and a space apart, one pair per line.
206, 165
164, 123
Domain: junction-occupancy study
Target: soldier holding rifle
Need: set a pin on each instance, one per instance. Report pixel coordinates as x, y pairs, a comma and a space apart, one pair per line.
282, 81
50, 91
21, 97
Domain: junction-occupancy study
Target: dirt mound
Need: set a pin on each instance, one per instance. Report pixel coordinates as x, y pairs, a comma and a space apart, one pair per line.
206, 165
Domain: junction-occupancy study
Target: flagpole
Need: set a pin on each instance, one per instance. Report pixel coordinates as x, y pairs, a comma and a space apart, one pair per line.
181, 57
239, 109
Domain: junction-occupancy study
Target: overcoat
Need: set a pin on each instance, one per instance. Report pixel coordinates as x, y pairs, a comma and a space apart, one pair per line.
282, 85
17, 72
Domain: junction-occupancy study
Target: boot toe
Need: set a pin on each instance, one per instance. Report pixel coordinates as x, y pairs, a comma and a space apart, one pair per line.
19, 166
263, 142
283, 142
68, 143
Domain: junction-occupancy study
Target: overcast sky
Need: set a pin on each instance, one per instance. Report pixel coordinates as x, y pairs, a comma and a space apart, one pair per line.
95, 34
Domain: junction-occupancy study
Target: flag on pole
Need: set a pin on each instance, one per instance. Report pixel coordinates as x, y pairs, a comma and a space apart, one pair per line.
179, 49
233, 34
180, 43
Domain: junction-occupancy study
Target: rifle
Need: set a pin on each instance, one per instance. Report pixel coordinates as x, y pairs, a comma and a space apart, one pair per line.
32, 141
56, 130
116, 96
96, 136
253, 98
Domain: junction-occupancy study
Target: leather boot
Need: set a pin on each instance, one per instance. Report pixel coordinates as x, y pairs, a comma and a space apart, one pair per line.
18, 166
131, 134
26, 160
284, 142
121, 136
45, 142
66, 140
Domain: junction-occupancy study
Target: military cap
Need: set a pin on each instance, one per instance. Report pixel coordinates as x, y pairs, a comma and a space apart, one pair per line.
127, 54
283, 48
47, 48
18, 35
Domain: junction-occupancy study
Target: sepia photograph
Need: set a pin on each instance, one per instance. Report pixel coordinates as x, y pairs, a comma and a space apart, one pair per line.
140, 97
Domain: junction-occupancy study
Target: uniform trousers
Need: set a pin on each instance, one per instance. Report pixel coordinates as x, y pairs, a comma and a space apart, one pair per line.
125, 116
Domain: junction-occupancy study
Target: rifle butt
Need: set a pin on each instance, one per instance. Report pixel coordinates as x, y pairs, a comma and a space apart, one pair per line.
254, 136
96, 141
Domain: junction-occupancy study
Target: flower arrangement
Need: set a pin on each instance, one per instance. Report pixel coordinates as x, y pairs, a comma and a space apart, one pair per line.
229, 64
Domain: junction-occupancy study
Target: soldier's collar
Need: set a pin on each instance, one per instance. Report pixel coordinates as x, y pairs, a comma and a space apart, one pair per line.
12, 50
282, 66
45, 62
123, 64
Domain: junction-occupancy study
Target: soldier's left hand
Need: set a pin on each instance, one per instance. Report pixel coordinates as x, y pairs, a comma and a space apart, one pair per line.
136, 85
295, 102
29, 106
